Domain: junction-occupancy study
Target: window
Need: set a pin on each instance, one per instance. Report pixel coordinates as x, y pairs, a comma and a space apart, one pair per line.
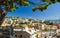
58, 36
9, 21
20, 36
15, 35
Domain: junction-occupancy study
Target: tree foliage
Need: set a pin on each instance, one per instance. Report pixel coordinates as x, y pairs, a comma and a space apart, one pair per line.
10, 5
45, 6
41, 8
48, 23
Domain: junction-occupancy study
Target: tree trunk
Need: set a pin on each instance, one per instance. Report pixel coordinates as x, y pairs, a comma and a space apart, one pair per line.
2, 16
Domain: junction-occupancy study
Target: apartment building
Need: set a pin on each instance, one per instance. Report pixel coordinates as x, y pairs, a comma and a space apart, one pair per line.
7, 22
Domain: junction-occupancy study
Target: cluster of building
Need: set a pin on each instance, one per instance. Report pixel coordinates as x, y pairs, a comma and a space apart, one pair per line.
28, 28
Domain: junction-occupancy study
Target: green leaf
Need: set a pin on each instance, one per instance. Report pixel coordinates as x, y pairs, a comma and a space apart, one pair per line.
16, 7
34, 9
12, 9
43, 7
53, 1
46, 0
58, 0
25, 3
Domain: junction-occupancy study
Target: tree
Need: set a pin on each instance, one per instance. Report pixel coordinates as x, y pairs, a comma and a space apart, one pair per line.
11, 5
48, 23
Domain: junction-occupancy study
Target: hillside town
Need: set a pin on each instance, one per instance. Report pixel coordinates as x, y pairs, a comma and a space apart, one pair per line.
15, 27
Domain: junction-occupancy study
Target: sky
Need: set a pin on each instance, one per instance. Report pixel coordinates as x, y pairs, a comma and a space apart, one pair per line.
51, 13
